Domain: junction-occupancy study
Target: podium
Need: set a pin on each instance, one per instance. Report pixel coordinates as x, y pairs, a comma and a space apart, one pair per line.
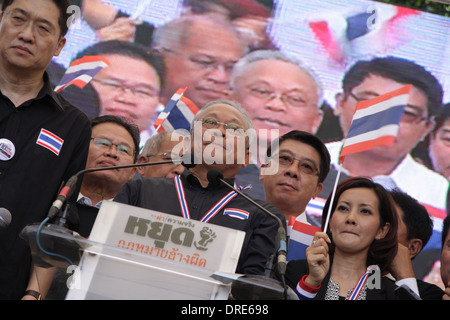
134, 253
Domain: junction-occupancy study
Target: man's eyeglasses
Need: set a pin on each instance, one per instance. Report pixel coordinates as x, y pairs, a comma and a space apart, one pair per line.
411, 114
138, 91
307, 167
211, 123
206, 63
106, 144
167, 156
292, 99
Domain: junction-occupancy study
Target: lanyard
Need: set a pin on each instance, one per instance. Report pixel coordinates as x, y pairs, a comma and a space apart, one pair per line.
360, 285
211, 213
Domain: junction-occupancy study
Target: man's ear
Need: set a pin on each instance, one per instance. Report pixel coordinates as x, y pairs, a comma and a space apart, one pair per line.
318, 190
141, 159
338, 109
414, 247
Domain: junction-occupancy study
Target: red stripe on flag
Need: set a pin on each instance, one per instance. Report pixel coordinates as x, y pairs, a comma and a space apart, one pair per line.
86, 59
366, 145
306, 228
368, 103
435, 212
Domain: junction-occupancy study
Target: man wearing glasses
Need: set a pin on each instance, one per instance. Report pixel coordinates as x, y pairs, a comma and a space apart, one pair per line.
393, 166
114, 142
219, 141
303, 165
130, 86
199, 53
281, 94
44, 139
162, 147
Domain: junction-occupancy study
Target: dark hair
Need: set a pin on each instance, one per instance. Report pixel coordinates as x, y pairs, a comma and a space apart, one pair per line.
63, 15
445, 229
399, 70
415, 216
128, 49
442, 116
309, 139
130, 127
381, 252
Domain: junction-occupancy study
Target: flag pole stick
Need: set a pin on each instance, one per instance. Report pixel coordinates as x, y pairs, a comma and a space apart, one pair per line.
332, 198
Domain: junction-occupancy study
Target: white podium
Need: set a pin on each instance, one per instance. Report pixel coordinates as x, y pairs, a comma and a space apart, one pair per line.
134, 253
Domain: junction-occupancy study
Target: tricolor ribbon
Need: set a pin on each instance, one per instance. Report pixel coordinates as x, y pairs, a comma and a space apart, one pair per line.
212, 212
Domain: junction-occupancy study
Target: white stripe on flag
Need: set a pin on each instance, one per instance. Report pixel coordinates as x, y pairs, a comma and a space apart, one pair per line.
390, 129
184, 109
381, 106
301, 237
86, 66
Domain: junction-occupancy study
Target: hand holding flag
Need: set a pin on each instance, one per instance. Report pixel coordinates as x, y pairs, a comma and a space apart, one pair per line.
300, 236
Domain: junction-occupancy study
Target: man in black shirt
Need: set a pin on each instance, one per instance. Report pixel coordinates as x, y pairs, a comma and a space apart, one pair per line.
45, 139
217, 132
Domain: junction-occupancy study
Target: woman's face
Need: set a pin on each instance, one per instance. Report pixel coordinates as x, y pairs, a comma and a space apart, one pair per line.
356, 220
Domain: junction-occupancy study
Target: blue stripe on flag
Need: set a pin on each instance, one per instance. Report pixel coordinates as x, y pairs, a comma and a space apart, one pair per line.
178, 120
73, 75
377, 121
50, 140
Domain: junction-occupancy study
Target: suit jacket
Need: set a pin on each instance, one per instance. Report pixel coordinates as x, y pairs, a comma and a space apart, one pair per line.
296, 269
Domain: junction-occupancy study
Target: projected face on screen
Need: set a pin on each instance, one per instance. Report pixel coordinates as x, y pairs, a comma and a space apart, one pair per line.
131, 92
287, 99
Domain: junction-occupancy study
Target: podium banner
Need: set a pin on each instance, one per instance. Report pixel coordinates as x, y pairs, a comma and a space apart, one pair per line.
166, 236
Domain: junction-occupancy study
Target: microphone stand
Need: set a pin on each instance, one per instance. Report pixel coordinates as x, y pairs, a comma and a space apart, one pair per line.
69, 243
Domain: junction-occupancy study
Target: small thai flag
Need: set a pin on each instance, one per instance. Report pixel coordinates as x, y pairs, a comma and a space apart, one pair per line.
375, 122
236, 213
50, 141
178, 113
300, 237
81, 72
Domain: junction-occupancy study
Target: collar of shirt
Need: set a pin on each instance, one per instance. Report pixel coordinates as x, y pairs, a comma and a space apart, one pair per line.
88, 202
192, 180
47, 90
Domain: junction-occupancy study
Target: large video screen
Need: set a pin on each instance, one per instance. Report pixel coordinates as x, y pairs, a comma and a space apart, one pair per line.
327, 38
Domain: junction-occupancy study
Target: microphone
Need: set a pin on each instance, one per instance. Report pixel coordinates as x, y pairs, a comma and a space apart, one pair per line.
66, 249
214, 176
5, 218
68, 188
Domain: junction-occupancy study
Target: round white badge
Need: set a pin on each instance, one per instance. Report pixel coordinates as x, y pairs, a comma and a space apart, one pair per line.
7, 149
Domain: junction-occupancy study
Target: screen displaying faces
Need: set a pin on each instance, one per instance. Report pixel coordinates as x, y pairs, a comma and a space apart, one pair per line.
292, 65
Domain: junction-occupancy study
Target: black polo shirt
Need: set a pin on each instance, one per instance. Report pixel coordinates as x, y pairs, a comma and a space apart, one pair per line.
260, 228
31, 178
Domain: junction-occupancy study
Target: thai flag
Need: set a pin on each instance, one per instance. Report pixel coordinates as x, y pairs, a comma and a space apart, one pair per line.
81, 72
375, 122
50, 141
358, 33
300, 237
236, 213
178, 113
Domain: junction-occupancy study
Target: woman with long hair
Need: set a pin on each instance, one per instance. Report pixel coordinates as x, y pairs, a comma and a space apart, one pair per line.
360, 244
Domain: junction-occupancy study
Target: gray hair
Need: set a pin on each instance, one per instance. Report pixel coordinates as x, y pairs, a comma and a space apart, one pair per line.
174, 33
154, 143
241, 65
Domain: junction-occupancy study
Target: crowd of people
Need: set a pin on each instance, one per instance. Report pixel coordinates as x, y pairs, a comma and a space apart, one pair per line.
386, 201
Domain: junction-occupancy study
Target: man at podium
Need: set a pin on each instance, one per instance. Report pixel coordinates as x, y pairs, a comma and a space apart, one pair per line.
219, 140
